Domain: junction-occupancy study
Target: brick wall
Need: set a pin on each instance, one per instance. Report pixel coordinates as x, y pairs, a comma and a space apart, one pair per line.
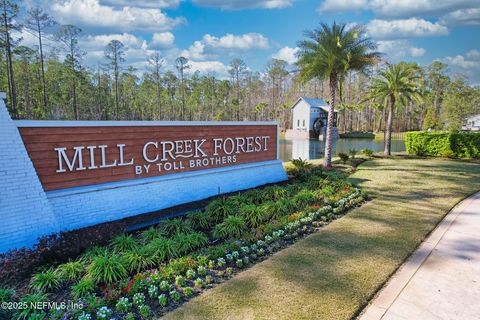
25, 213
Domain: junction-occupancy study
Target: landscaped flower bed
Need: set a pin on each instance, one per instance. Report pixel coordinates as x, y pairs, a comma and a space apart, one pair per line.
130, 278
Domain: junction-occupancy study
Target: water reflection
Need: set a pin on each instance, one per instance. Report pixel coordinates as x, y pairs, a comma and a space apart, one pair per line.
314, 149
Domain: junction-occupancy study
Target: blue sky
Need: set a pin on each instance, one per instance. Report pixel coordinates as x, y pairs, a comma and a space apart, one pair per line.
212, 32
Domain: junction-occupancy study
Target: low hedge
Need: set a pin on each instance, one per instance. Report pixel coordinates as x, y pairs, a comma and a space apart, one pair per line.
444, 144
357, 135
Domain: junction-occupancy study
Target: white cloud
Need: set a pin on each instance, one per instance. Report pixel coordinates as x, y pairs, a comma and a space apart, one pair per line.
398, 8
145, 3
215, 67
287, 54
162, 40
404, 28
91, 14
462, 17
417, 52
462, 62
244, 4
467, 65
210, 46
397, 50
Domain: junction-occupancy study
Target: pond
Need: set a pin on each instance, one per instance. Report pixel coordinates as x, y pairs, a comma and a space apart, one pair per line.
314, 149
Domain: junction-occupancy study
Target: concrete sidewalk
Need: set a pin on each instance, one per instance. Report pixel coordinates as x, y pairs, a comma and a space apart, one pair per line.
441, 280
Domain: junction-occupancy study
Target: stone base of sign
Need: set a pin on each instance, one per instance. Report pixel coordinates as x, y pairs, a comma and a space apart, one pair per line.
25, 212
86, 206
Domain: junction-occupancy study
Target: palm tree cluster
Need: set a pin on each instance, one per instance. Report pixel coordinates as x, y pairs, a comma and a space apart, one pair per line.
332, 51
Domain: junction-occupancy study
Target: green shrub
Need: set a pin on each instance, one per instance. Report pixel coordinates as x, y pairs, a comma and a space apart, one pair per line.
171, 227
83, 288
274, 193
6, 295
94, 252
199, 220
188, 292
367, 152
106, 268
45, 281
444, 144
343, 157
254, 196
231, 227
162, 300
138, 259
151, 234
218, 209
123, 243
71, 270
301, 164
145, 311
188, 242
304, 198
253, 214
31, 313
163, 249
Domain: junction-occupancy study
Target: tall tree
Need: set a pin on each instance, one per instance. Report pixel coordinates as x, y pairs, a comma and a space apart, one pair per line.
37, 21
181, 63
328, 53
156, 62
9, 24
68, 38
397, 84
115, 56
237, 69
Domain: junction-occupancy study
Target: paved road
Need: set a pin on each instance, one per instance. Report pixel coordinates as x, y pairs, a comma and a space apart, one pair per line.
441, 280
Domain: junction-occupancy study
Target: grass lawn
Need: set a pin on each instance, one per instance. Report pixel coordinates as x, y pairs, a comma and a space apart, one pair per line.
334, 273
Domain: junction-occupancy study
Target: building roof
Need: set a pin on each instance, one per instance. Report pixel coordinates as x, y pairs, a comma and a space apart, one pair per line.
314, 103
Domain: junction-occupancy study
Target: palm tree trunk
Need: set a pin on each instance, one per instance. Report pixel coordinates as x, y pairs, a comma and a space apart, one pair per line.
331, 111
388, 133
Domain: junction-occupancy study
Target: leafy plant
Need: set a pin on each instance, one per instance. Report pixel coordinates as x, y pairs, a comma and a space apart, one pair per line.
367, 152
84, 287
171, 227
106, 268
218, 209
30, 313
274, 193
123, 243
175, 295
71, 270
199, 283
189, 242
123, 305
104, 313
303, 198
6, 294
93, 252
301, 164
208, 279
199, 220
232, 226
138, 259
188, 292
138, 299
150, 234
253, 215
254, 196
201, 270
145, 311
164, 286
179, 281
343, 157
163, 249
190, 274
162, 300
353, 153
45, 281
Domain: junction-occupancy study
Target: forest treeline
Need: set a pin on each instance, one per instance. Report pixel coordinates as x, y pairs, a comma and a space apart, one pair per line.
55, 83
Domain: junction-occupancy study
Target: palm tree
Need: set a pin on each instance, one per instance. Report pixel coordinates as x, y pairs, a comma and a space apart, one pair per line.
328, 53
397, 85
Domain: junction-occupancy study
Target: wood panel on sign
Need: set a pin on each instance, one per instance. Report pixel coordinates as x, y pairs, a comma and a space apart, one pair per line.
66, 157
